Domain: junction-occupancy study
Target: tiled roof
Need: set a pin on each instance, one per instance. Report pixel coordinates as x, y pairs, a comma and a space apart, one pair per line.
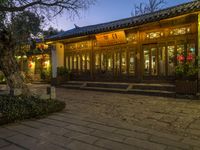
130, 22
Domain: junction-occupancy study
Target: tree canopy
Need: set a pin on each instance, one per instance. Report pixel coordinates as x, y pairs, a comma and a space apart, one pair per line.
149, 7
45, 7
12, 14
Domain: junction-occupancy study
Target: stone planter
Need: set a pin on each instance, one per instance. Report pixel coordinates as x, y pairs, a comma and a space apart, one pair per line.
186, 87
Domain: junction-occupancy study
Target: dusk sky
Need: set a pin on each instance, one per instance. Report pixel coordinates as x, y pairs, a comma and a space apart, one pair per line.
104, 11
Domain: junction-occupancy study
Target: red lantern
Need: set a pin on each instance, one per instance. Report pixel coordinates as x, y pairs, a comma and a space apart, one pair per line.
180, 58
30, 65
190, 57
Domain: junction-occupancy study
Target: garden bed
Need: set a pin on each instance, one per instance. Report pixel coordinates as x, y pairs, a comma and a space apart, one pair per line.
19, 108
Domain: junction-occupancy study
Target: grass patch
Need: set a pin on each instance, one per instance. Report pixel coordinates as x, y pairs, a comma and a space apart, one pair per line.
20, 108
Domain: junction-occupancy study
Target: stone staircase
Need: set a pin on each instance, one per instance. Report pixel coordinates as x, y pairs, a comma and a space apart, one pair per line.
160, 89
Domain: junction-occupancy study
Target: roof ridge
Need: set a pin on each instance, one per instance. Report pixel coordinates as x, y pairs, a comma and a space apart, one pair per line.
142, 15
165, 13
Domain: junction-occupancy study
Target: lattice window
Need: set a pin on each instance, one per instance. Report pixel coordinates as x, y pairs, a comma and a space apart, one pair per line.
82, 45
180, 31
154, 35
131, 37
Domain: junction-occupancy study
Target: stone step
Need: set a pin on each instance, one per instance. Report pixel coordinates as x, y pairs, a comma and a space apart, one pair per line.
70, 86
152, 92
163, 87
108, 85
104, 89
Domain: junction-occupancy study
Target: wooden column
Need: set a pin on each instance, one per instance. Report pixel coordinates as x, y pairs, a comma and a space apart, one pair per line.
198, 51
53, 64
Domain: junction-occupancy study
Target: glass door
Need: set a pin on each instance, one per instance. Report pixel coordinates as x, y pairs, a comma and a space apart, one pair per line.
150, 56
146, 61
116, 63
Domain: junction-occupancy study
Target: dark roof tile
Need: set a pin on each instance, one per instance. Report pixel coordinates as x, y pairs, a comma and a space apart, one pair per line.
130, 22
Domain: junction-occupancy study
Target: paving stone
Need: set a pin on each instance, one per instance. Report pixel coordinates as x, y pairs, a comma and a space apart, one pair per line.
111, 145
195, 125
101, 127
132, 134
54, 122
144, 144
193, 142
12, 147
57, 140
26, 130
76, 145
4, 133
69, 120
34, 124
168, 118
193, 131
173, 148
153, 122
109, 135
54, 129
164, 135
171, 143
81, 137
23, 141
3, 143
48, 146
79, 128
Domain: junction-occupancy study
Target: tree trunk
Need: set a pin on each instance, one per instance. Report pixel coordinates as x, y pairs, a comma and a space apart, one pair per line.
9, 66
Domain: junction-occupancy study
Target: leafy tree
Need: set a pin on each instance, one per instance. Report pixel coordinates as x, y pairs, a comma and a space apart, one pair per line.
149, 7
22, 25
11, 8
51, 31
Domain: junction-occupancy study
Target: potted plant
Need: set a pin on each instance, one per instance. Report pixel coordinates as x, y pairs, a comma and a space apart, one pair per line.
186, 74
62, 75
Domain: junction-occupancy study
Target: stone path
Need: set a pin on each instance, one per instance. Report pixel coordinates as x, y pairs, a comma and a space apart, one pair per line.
109, 121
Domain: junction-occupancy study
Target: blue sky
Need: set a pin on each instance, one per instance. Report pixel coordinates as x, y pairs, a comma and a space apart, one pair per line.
103, 11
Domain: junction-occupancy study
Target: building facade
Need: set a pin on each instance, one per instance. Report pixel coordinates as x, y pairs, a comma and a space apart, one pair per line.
136, 49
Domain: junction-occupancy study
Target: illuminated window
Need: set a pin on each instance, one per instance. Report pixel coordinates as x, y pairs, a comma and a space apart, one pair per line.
162, 59
131, 37
97, 61
103, 61
79, 61
154, 67
154, 35
83, 62
70, 62
123, 62
180, 31
88, 61
146, 62
82, 45
132, 63
75, 62
171, 65
110, 61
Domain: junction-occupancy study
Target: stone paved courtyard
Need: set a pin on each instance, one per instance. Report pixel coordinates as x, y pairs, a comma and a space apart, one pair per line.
109, 121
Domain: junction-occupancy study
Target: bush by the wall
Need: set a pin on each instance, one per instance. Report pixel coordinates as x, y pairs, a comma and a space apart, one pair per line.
20, 108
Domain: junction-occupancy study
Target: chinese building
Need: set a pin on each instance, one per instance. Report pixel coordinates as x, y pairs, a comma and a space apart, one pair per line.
136, 49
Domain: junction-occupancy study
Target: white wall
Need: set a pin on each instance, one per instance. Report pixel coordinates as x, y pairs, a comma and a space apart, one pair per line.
60, 54
57, 56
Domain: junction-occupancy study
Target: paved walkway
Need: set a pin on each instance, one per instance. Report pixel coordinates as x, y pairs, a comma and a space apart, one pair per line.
109, 121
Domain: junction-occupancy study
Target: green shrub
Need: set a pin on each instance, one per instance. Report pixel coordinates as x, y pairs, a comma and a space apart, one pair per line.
20, 108
62, 71
2, 78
